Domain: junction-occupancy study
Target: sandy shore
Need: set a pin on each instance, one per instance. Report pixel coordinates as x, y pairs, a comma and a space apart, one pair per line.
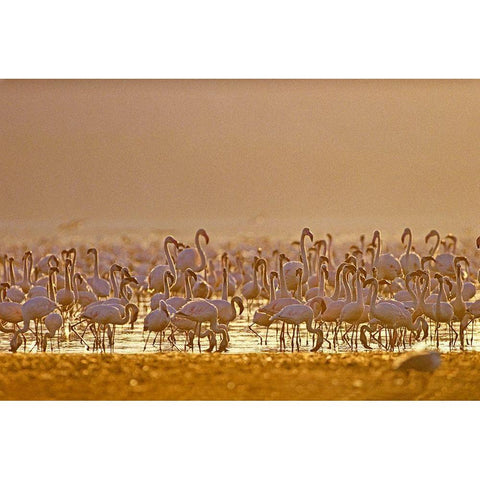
172, 376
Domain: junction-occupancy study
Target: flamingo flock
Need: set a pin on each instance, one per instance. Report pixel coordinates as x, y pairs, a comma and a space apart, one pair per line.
311, 294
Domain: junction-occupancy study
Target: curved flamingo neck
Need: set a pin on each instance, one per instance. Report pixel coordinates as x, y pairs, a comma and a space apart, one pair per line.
201, 253
272, 289
409, 244
441, 293
410, 291
360, 299
188, 287
459, 298
283, 286
298, 292
168, 255
254, 277
423, 294
266, 285
377, 251
328, 248
113, 281
12, 272
373, 300
96, 272
336, 291
25, 274
166, 283
434, 249
225, 285
346, 286
306, 271
76, 281
5, 269
68, 284
51, 287
321, 283
30, 267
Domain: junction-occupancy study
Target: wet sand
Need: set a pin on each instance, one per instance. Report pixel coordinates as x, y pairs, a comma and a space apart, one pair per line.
179, 376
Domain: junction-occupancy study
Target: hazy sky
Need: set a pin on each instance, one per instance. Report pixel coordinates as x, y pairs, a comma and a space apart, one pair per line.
375, 151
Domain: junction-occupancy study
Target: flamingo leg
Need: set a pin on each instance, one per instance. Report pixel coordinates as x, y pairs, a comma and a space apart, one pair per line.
256, 333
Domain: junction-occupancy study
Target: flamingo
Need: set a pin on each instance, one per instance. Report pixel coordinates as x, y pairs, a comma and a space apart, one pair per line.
156, 275
251, 290
26, 282
410, 262
35, 309
199, 311
10, 312
226, 310
297, 314
156, 321
86, 297
388, 267
444, 311
53, 321
388, 314
444, 261
100, 286
168, 281
264, 319
290, 268
65, 296
192, 258
14, 293
178, 302
353, 312
106, 314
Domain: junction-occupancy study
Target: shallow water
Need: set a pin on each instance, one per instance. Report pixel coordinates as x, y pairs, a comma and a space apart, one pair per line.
242, 340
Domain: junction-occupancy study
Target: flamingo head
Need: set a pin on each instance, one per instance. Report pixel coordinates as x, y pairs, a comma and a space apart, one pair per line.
459, 259
170, 239
325, 271
204, 234
307, 233
432, 233
192, 274
369, 281
163, 307
406, 232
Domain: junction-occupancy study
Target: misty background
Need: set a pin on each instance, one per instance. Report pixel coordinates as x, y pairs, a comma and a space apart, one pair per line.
268, 154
